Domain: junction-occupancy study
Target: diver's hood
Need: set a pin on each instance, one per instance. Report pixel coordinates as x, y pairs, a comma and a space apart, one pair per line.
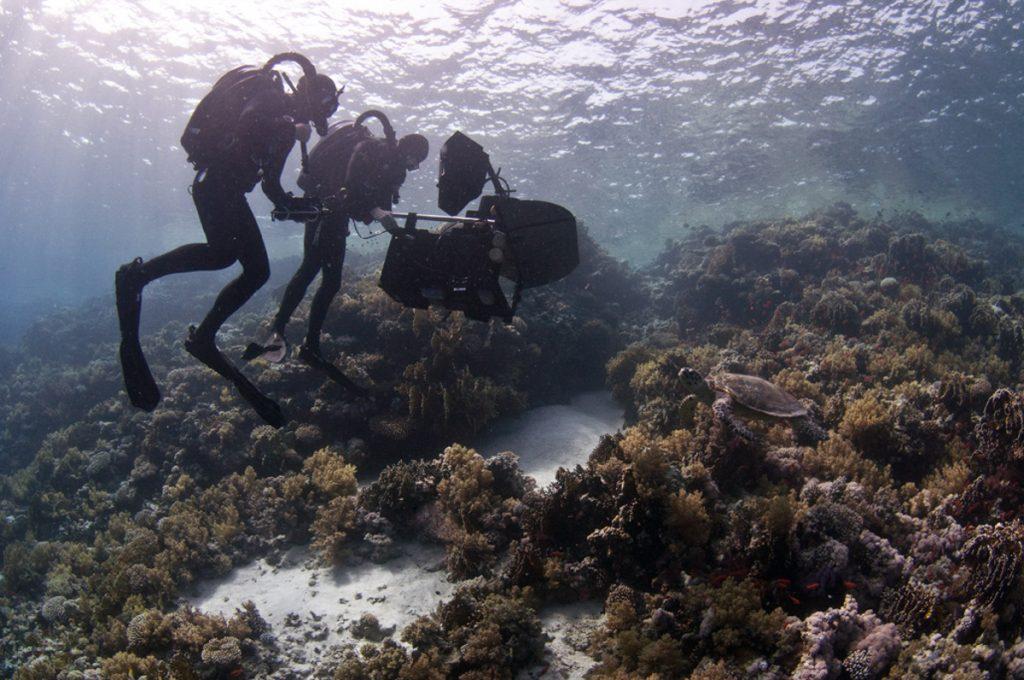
319, 91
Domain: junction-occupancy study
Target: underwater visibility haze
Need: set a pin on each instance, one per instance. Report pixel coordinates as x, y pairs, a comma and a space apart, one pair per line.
641, 117
769, 426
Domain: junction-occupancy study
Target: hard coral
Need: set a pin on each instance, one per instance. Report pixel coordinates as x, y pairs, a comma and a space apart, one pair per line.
402, 489
222, 652
334, 528
994, 556
479, 634
844, 639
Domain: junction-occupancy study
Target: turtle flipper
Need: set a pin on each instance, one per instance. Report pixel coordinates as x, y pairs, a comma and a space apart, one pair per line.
723, 410
806, 432
688, 410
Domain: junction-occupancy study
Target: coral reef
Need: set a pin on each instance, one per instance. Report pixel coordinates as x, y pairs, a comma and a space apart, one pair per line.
892, 549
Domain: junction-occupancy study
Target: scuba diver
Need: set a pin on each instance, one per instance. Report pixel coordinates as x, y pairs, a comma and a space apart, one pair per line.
239, 135
356, 176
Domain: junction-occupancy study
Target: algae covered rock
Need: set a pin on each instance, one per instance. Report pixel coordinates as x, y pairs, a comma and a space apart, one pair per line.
369, 628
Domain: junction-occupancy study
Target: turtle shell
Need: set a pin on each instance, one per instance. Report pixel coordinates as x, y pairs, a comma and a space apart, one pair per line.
759, 395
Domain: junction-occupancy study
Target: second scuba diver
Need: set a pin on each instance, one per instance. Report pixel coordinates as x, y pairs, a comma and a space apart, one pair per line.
356, 176
239, 135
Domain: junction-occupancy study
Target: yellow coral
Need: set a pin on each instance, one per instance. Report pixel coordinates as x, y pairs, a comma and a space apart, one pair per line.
796, 383
332, 528
465, 492
836, 457
620, 369
125, 665
866, 421
686, 518
330, 474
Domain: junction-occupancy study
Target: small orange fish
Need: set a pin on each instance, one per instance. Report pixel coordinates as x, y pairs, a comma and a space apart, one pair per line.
849, 585
812, 586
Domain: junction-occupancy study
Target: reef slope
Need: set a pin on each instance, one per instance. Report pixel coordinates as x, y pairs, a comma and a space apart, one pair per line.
892, 549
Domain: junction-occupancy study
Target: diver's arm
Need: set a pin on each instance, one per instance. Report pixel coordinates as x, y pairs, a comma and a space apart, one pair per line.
273, 167
386, 219
260, 118
363, 181
269, 135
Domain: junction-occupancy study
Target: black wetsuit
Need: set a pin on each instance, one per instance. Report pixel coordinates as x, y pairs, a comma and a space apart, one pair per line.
265, 137
373, 177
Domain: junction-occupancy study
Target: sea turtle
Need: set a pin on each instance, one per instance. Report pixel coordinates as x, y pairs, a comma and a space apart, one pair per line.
732, 394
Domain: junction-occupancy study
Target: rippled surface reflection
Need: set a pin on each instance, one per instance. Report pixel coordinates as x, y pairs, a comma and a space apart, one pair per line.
641, 116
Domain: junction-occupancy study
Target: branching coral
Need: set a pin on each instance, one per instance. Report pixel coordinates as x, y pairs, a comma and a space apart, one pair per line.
845, 639
402, 489
477, 634
715, 558
333, 528
473, 506
994, 556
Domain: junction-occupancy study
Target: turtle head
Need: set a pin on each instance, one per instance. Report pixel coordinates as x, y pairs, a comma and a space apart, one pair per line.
693, 382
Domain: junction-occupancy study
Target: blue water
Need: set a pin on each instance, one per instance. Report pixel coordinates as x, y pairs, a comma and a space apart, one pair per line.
642, 117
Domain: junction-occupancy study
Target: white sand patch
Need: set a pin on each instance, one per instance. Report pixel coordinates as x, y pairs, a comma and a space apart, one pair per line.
569, 628
549, 437
311, 607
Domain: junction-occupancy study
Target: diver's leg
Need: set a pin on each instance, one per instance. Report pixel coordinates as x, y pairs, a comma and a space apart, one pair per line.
246, 243
300, 280
129, 282
132, 277
193, 257
206, 351
331, 250
216, 204
217, 253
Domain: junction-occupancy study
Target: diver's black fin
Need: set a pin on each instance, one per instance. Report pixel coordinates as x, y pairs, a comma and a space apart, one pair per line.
253, 350
138, 379
129, 298
267, 408
314, 360
275, 351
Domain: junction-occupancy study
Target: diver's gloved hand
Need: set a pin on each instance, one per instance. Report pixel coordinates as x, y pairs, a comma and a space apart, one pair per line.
387, 220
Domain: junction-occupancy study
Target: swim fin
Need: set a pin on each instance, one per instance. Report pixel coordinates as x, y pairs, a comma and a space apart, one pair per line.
314, 360
207, 352
275, 350
138, 379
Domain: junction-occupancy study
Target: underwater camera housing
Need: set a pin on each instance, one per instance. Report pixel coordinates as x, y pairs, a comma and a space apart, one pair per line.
530, 243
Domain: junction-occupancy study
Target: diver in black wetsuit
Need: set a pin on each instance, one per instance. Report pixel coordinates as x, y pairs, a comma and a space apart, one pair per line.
250, 127
357, 176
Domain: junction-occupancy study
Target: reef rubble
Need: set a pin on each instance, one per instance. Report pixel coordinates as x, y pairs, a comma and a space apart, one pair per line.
893, 548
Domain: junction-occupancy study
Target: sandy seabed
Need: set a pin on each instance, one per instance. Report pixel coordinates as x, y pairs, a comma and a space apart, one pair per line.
312, 609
